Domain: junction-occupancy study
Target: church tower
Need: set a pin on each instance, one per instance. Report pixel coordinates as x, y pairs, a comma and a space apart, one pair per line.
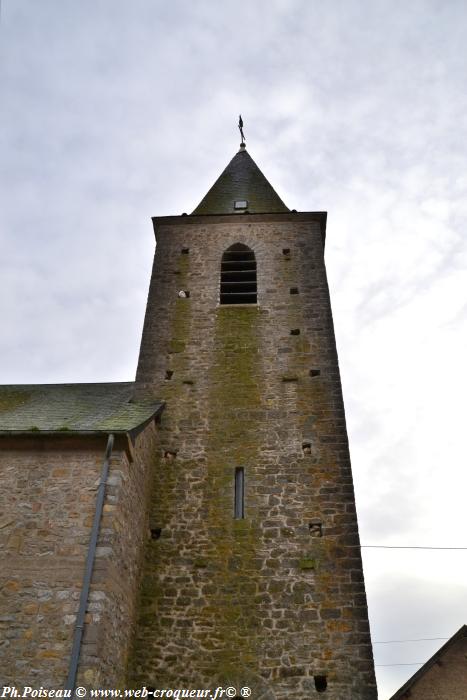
253, 574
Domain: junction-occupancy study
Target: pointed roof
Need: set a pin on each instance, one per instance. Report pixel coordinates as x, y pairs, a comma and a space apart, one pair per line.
241, 180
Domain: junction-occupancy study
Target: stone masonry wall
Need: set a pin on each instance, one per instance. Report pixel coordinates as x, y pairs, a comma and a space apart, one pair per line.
117, 574
47, 501
265, 600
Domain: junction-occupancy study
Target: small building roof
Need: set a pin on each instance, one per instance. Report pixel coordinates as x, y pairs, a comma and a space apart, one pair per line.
106, 407
241, 180
404, 691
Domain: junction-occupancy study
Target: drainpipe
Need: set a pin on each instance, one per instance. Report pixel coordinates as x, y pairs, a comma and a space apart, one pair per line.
83, 601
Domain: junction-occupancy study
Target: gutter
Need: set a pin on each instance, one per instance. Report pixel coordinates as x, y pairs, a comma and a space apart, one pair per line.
83, 601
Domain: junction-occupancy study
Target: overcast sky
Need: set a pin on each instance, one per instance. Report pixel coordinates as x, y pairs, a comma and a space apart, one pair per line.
114, 111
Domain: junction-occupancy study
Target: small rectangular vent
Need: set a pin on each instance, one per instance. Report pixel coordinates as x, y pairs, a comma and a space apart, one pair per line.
241, 204
321, 683
156, 533
316, 528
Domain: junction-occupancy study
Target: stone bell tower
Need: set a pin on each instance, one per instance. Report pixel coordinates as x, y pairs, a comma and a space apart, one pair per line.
253, 575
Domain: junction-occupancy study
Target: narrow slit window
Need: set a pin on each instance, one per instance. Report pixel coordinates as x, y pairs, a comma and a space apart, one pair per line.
238, 275
239, 505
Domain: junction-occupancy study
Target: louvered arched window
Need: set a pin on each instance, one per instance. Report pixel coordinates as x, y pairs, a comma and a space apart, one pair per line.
238, 275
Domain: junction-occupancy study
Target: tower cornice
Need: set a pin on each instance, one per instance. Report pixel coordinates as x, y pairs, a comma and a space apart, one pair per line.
206, 219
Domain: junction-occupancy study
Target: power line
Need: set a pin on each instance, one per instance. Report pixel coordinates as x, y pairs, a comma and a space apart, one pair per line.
393, 546
422, 639
415, 663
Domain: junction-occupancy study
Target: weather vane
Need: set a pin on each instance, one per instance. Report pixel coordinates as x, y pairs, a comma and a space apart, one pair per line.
240, 126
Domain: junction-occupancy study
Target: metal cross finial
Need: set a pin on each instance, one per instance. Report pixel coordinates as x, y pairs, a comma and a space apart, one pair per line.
240, 126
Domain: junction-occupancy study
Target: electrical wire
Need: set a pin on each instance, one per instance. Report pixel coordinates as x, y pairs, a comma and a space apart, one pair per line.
422, 639
415, 663
392, 546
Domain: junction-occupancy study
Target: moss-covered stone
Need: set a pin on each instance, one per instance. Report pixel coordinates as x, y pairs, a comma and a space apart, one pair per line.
176, 346
225, 597
11, 399
234, 399
307, 563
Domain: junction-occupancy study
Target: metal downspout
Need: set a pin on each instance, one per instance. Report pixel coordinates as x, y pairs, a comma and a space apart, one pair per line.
83, 601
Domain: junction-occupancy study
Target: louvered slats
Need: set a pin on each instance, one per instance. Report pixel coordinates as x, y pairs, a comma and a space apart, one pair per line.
238, 276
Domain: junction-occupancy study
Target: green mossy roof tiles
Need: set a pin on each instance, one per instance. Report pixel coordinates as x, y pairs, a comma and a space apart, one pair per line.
72, 407
241, 180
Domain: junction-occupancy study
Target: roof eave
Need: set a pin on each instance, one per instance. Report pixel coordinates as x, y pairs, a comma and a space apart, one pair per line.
126, 436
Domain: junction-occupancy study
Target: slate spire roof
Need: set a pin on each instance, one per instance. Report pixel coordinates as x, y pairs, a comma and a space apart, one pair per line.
241, 180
